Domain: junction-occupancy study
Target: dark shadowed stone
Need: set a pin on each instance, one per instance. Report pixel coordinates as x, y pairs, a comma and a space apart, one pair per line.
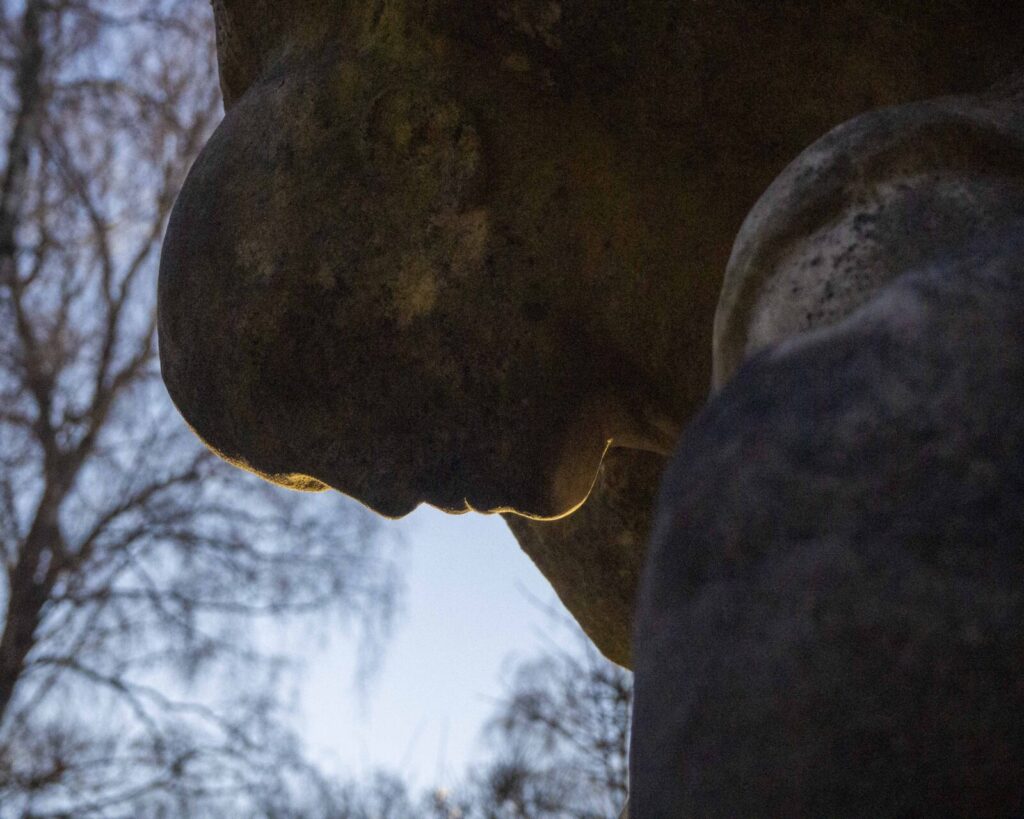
460, 252
593, 558
449, 251
831, 616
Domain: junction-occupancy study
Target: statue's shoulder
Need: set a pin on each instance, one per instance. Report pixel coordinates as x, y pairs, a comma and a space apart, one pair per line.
877, 196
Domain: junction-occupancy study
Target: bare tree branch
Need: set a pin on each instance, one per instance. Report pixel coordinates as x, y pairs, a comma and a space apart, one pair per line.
134, 562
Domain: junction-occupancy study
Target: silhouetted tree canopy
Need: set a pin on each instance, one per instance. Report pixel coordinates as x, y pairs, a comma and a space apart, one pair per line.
138, 567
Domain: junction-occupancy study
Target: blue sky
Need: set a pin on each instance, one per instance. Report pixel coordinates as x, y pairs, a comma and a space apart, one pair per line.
474, 604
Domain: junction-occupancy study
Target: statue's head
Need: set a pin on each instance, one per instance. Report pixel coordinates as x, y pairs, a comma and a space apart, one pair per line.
374, 282
451, 254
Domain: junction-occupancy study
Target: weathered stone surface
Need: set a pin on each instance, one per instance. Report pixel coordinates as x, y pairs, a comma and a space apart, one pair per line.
831, 616
879, 195
446, 252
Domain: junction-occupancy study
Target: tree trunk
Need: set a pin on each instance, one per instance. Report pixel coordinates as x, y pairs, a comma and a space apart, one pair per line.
27, 590
29, 91
31, 581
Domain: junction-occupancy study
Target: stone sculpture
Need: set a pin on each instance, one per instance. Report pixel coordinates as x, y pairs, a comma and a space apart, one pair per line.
466, 253
831, 616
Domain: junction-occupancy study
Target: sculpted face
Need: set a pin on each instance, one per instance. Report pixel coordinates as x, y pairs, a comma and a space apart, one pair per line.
446, 252
367, 285
447, 256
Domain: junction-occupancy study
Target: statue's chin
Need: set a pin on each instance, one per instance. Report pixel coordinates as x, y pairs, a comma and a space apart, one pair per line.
550, 511
566, 493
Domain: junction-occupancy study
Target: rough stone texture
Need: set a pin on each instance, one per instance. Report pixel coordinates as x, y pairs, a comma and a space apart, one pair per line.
879, 195
831, 616
448, 251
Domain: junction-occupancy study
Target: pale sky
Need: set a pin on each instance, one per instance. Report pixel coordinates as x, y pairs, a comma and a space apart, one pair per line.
471, 608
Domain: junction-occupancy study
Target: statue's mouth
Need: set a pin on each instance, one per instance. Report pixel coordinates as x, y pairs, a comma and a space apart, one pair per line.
396, 508
527, 502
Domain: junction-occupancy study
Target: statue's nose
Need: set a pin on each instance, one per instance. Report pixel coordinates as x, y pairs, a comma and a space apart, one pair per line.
390, 504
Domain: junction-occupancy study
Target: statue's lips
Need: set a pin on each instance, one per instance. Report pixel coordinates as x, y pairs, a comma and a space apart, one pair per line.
525, 486
527, 502
394, 505
399, 507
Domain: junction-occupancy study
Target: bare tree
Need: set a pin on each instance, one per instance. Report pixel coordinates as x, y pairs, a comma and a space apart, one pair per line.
136, 564
561, 740
557, 744
556, 747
